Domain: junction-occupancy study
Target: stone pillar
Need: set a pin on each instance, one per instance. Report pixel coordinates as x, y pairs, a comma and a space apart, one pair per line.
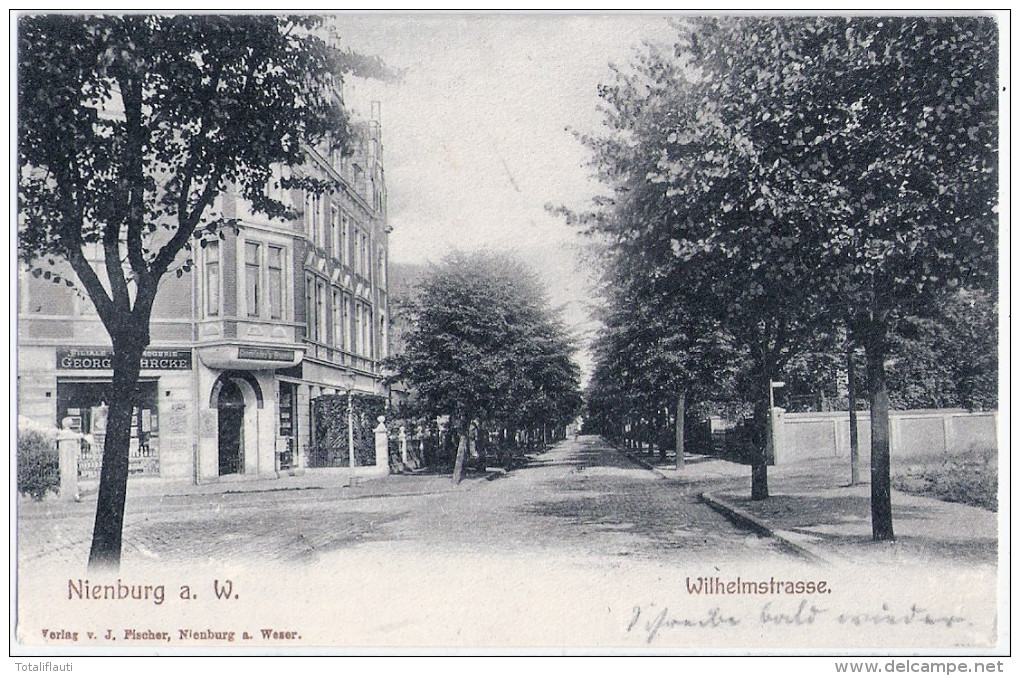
68, 449
403, 447
778, 445
945, 433
382, 446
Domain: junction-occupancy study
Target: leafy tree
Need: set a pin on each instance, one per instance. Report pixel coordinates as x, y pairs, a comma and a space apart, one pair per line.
809, 172
543, 394
129, 127
656, 349
482, 346
907, 112
948, 359
706, 200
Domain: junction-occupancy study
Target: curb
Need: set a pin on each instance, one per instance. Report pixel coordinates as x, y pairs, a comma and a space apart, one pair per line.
643, 463
746, 520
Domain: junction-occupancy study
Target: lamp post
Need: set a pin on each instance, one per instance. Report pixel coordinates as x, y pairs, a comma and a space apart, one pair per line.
348, 381
773, 386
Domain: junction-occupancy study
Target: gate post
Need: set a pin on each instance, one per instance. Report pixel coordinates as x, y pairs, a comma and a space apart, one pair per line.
382, 446
778, 435
68, 449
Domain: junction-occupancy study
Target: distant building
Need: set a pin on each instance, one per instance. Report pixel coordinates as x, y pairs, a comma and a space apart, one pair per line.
269, 319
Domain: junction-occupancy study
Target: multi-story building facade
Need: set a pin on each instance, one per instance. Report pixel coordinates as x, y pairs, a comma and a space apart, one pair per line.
269, 318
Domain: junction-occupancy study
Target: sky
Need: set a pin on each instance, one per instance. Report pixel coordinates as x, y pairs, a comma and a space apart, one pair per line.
478, 135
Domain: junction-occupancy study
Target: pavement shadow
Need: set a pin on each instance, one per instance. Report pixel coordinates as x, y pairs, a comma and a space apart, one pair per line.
844, 523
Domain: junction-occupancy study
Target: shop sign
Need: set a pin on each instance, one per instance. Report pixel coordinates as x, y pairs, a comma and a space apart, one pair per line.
101, 359
264, 354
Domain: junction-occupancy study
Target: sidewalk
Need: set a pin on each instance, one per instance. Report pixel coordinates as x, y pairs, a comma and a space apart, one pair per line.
333, 484
813, 509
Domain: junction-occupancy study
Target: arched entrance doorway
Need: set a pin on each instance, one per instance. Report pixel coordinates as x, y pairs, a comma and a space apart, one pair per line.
230, 414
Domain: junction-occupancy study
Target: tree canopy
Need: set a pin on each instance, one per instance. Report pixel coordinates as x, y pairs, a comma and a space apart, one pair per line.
787, 177
484, 345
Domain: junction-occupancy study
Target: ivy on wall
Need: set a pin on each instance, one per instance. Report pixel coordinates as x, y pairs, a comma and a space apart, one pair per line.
329, 429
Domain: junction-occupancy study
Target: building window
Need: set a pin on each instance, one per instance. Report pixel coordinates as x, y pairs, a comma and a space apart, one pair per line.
334, 230
275, 265
360, 252
320, 311
347, 323
310, 306
314, 226
363, 256
315, 292
320, 221
356, 252
359, 335
253, 277
345, 234
363, 325
355, 242
368, 326
338, 320
381, 277
212, 279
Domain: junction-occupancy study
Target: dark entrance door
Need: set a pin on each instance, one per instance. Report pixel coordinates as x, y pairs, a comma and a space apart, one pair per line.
230, 405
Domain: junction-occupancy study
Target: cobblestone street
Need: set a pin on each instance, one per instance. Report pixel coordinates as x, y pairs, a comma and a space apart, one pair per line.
578, 498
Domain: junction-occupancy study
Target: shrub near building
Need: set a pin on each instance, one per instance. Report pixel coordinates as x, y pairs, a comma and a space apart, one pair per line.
38, 463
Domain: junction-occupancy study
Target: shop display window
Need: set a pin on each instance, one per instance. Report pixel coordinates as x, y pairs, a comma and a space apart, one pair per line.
86, 404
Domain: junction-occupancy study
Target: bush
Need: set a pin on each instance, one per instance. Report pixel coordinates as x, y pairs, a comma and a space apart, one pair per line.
38, 464
970, 478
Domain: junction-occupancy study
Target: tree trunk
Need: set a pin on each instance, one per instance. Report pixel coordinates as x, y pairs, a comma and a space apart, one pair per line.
851, 386
660, 433
107, 532
881, 498
462, 451
759, 461
681, 405
477, 449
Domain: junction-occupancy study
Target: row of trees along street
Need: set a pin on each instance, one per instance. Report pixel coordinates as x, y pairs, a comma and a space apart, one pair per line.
129, 128
482, 346
785, 192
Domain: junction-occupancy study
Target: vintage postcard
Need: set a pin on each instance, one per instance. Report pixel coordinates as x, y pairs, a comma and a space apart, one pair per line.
620, 333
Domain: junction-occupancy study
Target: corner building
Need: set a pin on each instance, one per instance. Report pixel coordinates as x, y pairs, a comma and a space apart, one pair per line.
269, 319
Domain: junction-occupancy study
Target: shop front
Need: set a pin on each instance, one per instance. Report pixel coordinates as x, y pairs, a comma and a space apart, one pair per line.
160, 423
